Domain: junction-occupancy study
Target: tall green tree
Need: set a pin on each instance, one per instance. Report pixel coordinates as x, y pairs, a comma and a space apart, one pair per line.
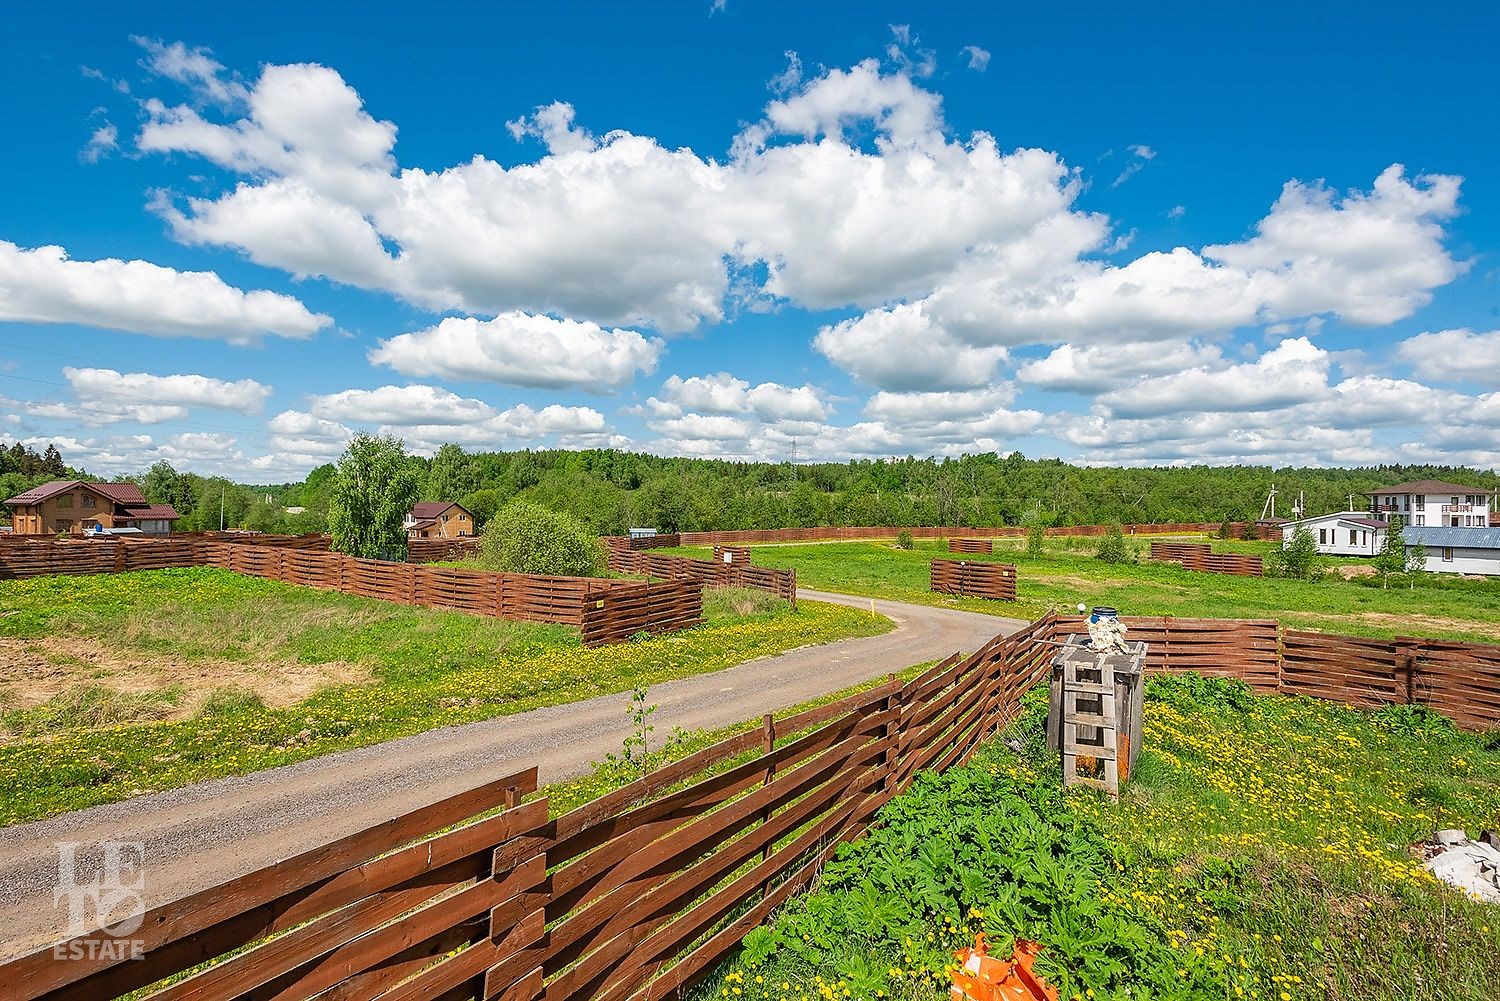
374, 486
450, 475
1392, 556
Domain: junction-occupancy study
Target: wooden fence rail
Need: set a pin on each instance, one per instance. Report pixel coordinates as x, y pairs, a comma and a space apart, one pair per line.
709, 573
974, 579
971, 545
637, 894
605, 611
1200, 556
854, 533
634, 895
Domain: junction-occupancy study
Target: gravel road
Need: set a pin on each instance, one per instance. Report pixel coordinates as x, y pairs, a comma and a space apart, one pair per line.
204, 834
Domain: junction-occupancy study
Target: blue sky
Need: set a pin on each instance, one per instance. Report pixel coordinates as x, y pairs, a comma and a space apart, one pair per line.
872, 229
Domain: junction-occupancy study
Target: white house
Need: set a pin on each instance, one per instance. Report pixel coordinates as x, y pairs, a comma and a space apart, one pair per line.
1433, 503
1347, 533
1457, 550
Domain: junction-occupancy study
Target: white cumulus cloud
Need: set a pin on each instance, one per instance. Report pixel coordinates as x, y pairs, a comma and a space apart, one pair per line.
43, 285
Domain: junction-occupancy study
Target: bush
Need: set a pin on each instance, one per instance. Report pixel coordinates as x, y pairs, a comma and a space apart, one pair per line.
527, 538
1113, 549
903, 539
1298, 559
1036, 537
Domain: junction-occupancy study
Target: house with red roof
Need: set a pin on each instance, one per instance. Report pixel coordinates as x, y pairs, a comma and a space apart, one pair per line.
439, 520
76, 506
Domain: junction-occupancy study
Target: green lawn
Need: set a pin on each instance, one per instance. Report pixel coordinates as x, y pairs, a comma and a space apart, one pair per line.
115, 685
1067, 574
1260, 852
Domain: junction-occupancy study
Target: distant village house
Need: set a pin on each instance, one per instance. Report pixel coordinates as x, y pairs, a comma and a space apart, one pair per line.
1433, 503
439, 520
75, 507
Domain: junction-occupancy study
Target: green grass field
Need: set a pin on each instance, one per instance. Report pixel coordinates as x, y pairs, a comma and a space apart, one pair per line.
115, 685
1260, 852
1067, 573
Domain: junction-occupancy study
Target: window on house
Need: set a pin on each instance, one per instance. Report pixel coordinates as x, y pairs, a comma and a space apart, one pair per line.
88, 500
1422, 502
66, 500
1420, 519
1322, 536
1447, 554
1353, 536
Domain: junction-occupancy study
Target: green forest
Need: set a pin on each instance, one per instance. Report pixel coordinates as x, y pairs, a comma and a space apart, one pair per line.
611, 490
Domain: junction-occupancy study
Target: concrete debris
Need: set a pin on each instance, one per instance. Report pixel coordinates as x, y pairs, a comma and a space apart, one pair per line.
1471, 866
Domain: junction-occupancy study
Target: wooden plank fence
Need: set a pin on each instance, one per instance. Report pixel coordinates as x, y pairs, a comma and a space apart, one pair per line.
634, 895
853, 533
605, 611
637, 894
974, 579
971, 545
1200, 556
731, 554
708, 573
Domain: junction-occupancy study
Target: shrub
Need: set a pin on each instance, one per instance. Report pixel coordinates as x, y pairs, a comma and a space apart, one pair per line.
1193, 691
1036, 537
1226, 531
903, 539
1298, 559
1113, 549
527, 538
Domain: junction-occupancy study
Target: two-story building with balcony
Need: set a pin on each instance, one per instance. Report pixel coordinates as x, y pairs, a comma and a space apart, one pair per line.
1432, 504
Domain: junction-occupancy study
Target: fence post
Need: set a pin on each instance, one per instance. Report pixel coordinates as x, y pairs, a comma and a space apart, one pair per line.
1280, 658
1406, 669
767, 745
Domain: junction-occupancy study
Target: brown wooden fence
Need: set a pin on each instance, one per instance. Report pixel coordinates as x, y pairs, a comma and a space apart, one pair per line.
605, 611
1460, 680
731, 554
634, 895
1201, 557
440, 550
709, 573
971, 545
639, 893
856, 533
974, 579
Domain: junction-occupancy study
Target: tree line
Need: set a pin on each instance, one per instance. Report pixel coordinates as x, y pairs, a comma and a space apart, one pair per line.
610, 490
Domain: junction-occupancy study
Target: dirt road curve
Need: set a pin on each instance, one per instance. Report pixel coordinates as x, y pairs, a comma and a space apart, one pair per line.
204, 834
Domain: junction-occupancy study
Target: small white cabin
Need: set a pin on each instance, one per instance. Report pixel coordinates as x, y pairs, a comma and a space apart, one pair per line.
1457, 550
1347, 533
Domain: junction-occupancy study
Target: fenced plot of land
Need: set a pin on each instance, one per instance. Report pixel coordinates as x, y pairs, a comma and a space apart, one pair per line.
1067, 573
604, 611
653, 884
201, 663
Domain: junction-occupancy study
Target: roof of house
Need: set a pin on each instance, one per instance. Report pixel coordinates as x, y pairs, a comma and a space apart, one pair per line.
127, 494
1437, 535
421, 523
1360, 518
431, 509
1273, 520
159, 512
1428, 487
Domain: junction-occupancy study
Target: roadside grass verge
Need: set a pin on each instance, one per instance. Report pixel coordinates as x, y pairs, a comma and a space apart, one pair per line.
1067, 573
425, 668
1260, 852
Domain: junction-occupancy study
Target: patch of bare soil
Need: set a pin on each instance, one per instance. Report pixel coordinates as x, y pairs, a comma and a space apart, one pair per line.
35, 670
1410, 623
1349, 571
